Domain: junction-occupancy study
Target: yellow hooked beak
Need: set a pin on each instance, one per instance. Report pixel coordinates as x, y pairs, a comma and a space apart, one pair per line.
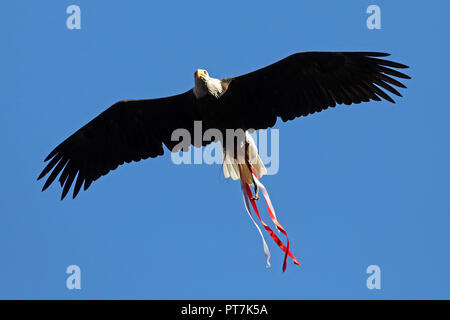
200, 73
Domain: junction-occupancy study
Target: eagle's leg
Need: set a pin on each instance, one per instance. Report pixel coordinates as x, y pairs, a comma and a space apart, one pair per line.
249, 166
255, 185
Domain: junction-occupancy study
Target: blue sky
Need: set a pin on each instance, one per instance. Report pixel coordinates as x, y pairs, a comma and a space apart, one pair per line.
357, 186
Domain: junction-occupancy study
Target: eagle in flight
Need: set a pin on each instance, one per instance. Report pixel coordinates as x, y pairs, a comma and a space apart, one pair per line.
299, 85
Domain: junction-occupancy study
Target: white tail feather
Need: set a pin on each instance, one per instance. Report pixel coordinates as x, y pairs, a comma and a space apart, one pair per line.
232, 168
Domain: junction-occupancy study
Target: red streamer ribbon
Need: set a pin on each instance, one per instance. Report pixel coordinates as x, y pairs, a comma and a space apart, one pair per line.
272, 215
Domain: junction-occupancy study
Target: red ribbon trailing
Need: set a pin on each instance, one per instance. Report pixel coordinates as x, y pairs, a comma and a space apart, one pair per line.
274, 219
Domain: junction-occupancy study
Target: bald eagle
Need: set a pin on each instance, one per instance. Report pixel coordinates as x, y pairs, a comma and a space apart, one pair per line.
299, 85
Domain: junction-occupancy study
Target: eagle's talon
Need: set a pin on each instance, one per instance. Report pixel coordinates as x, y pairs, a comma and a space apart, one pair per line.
255, 198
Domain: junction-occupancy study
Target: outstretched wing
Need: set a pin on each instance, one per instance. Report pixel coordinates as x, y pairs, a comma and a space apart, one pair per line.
298, 85
127, 131
304, 83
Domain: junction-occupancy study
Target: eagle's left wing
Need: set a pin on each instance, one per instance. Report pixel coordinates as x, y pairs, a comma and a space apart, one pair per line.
127, 131
304, 83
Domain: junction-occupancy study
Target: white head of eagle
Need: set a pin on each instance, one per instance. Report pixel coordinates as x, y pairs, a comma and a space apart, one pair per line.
205, 85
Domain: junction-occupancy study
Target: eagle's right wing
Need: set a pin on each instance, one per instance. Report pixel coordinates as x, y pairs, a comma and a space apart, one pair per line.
305, 83
127, 131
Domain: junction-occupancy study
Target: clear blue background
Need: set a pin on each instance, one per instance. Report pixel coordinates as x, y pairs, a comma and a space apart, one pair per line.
357, 186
